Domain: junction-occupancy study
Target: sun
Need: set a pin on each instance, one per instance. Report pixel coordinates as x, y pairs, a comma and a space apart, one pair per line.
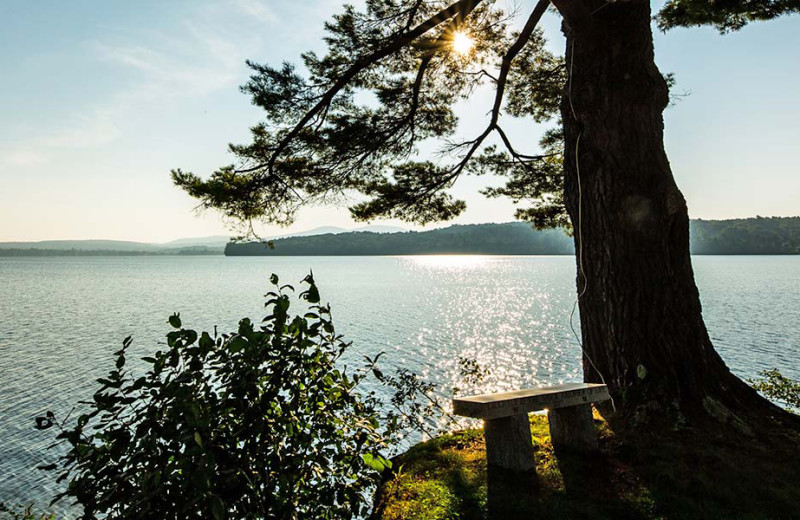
462, 43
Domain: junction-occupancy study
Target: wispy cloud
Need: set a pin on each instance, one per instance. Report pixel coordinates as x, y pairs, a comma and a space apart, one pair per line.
22, 158
87, 130
255, 9
205, 56
163, 75
201, 59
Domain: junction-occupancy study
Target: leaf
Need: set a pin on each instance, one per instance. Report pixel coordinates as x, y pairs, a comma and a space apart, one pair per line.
198, 439
206, 342
191, 337
311, 295
237, 344
43, 423
175, 320
217, 507
377, 463
386, 462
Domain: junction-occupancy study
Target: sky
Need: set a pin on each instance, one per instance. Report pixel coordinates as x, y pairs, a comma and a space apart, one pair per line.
99, 100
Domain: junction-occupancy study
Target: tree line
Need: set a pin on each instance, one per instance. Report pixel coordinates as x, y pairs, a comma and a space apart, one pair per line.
752, 236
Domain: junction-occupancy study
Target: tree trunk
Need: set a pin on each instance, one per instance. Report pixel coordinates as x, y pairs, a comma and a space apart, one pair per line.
641, 320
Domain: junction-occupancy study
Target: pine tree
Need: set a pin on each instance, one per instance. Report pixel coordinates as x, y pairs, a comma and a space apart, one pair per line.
354, 120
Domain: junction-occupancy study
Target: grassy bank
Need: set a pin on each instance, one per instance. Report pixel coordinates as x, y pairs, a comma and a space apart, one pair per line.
672, 475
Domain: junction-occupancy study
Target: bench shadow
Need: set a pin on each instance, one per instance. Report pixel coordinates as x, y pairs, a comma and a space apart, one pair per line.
589, 481
511, 495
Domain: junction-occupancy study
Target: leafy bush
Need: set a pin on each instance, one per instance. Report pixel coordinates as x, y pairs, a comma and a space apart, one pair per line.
257, 423
780, 388
22, 513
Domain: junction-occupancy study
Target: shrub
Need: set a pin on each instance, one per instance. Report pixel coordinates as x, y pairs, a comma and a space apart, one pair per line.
258, 423
22, 513
780, 388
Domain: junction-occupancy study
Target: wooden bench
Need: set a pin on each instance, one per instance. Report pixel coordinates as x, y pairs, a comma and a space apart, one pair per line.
508, 432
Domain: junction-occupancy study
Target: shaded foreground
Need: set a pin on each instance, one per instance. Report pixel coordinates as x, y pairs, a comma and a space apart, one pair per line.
671, 475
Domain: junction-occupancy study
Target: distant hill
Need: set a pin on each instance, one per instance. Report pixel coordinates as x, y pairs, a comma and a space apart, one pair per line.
378, 228
183, 251
754, 236
516, 238
183, 246
187, 246
212, 241
333, 230
750, 236
84, 245
746, 236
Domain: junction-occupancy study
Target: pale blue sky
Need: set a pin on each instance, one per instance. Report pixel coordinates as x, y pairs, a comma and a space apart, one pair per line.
98, 100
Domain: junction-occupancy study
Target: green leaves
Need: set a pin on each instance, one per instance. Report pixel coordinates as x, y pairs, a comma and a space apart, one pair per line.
237, 343
779, 388
725, 15
311, 295
376, 462
412, 193
175, 320
260, 422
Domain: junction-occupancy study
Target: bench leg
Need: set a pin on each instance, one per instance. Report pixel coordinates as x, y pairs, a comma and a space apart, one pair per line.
571, 428
508, 443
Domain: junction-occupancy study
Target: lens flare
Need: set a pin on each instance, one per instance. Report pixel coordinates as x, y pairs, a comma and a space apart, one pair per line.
462, 43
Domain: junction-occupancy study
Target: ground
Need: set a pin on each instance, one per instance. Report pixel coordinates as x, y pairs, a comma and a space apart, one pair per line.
674, 474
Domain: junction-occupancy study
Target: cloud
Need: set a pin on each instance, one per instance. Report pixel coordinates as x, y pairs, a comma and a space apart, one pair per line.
23, 158
198, 63
255, 9
198, 59
95, 128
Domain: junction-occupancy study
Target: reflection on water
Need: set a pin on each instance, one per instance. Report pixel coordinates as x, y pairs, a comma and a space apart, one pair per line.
61, 318
459, 263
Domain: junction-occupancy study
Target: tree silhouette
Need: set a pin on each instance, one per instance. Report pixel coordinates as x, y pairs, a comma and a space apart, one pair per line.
389, 82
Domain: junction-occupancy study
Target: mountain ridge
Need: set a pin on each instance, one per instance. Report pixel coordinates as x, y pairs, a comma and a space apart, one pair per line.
212, 241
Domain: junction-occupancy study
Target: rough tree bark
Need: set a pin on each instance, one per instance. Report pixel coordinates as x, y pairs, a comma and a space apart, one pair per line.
640, 310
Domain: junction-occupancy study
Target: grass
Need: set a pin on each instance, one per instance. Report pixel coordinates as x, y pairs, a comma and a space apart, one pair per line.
671, 475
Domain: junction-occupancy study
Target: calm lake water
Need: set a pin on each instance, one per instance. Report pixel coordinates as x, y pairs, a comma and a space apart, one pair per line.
61, 319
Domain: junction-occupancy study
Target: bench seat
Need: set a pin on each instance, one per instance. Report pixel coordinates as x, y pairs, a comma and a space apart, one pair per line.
506, 404
506, 428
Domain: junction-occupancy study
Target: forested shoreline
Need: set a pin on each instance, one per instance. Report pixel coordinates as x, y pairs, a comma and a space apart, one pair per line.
752, 236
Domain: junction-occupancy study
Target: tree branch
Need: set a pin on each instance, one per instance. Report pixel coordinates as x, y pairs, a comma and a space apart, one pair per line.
461, 8
505, 67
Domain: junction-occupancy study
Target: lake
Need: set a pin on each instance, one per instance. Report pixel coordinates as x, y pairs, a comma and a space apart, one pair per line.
61, 319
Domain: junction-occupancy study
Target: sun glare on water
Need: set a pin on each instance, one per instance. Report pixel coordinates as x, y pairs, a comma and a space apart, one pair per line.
449, 262
462, 43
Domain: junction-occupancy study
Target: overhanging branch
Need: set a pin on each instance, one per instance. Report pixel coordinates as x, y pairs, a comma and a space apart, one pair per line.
502, 78
462, 8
